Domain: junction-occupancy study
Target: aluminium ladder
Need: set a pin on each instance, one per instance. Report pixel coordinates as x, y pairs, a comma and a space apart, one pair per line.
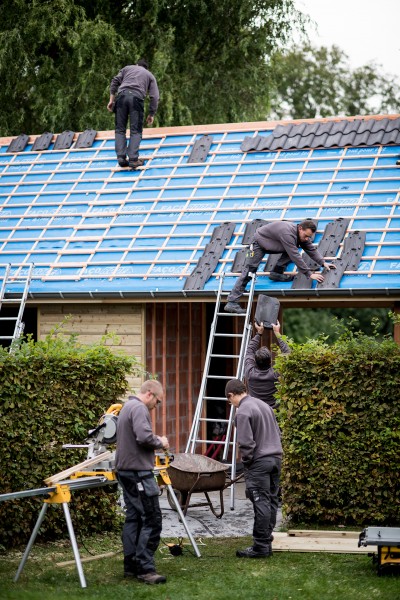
210, 374
19, 278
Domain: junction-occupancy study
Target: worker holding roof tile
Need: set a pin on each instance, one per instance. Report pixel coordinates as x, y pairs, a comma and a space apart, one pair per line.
133, 83
280, 237
260, 376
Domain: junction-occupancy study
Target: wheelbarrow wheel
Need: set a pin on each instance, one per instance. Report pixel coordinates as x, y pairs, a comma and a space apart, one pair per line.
180, 496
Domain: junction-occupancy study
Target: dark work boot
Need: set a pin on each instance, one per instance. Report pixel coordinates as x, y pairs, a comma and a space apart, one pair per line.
122, 161
130, 567
234, 307
152, 578
135, 164
252, 553
274, 276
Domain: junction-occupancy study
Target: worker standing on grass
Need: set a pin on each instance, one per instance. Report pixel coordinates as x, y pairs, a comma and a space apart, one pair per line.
134, 460
280, 237
133, 83
260, 447
260, 377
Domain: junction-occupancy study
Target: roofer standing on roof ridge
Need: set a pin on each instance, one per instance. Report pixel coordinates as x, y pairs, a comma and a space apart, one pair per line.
259, 374
279, 237
261, 451
134, 463
133, 83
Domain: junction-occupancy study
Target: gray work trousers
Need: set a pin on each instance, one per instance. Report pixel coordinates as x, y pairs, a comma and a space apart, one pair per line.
143, 520
262, 486
254, 256
128, 106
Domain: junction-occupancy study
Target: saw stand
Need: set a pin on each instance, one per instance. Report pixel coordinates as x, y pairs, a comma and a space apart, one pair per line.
60, 493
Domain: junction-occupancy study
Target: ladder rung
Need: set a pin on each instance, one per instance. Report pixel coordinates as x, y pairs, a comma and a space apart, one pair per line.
229, 335
207, 420
14, 300
227, 377
226, 314
224, 355
8, 318
6, 337
212, 442
214, 398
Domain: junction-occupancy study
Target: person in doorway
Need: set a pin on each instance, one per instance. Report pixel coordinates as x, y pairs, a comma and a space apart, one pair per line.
133, 83
259, 374
134, 463
280, 237
261, 451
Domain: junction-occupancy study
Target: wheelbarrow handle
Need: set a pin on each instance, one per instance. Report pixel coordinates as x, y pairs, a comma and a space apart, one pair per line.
232, 481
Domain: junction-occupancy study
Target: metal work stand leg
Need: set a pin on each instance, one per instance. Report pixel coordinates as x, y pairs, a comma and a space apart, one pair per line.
182, 518
31, 541
74, 544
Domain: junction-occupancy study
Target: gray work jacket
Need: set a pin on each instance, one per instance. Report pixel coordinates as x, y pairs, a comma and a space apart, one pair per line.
282, 236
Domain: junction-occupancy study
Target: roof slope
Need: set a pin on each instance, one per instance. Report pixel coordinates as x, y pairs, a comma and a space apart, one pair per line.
91, 228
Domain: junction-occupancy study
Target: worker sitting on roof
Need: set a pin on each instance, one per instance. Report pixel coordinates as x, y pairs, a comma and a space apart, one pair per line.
133, 83
281, 237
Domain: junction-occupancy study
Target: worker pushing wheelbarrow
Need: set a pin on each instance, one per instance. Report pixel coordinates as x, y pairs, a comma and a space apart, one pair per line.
195, 473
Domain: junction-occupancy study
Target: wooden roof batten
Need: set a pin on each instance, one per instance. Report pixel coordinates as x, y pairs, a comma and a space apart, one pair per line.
243, 199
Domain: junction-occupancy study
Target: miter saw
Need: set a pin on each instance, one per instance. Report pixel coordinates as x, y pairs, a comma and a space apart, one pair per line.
99, 438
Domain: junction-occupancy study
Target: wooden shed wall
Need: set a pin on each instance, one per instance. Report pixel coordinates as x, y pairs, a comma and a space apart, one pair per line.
169, 339
92, 321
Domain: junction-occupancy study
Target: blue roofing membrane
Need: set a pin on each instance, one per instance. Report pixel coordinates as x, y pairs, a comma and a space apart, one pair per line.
91, 228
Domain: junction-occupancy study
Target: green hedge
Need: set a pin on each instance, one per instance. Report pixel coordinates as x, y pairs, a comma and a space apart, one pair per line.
340, 419
51, 393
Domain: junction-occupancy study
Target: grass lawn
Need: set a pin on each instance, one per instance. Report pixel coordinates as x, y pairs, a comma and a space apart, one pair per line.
218, 575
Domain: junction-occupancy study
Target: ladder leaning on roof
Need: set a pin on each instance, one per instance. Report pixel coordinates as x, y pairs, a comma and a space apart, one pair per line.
200, 416
21, 277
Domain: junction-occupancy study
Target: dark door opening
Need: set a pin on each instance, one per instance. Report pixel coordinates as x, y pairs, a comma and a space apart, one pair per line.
29, 318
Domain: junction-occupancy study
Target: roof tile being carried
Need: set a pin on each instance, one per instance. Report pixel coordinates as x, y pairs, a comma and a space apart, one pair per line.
357, 132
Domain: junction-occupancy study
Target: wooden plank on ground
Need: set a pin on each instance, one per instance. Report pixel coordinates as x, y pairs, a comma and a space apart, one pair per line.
315, 533
70, 563
285, 543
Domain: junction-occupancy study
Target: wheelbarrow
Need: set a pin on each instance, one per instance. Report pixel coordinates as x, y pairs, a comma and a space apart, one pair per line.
195, 473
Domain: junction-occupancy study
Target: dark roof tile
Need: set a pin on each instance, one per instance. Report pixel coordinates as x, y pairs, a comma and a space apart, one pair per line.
356, 132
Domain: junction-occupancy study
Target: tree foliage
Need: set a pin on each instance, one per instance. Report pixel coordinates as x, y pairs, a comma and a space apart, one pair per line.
319, 82
302, 324
57, 58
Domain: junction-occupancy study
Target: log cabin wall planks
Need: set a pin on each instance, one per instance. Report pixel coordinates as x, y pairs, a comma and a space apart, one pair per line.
92, 321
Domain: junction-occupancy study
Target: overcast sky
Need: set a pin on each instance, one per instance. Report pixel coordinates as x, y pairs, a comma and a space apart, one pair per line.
367, 30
